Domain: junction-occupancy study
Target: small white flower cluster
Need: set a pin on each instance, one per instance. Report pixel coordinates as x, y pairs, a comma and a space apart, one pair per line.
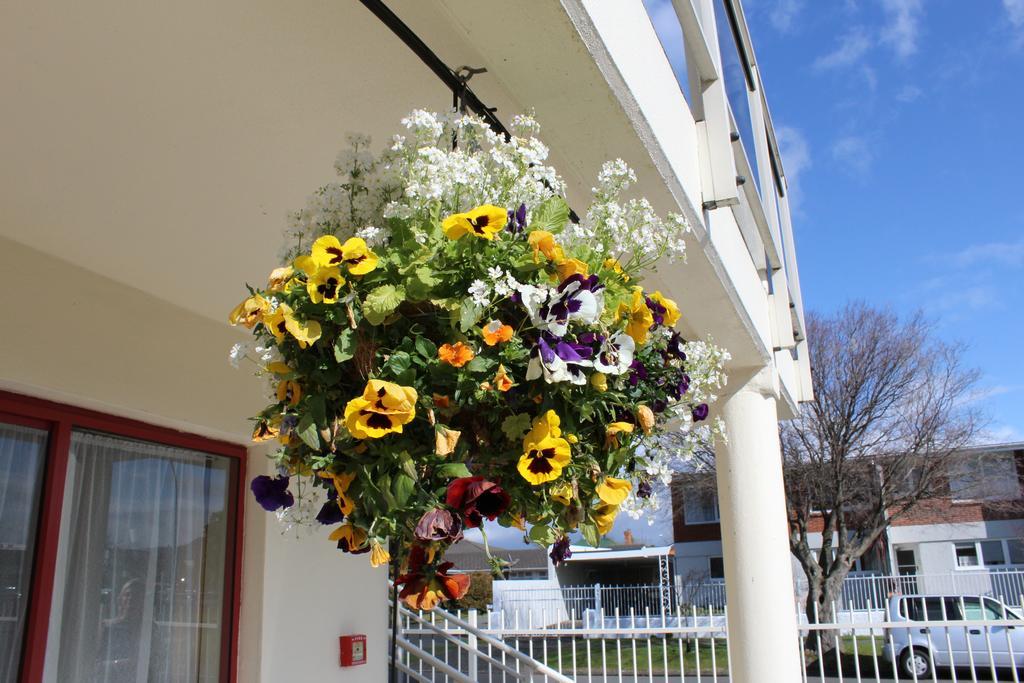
660, 458
629, 230
480, 292
420, 173
264, 354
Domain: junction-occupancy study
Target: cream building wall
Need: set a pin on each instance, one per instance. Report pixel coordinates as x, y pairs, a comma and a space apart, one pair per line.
76, 337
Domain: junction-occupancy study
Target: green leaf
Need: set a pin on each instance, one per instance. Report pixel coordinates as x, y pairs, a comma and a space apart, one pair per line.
480, 364
399, 362
307, 431
421, 283
382, 302
469, 314
345, 345
590, 535
426, 348
317, 409
452, 469
516, 426
542, 534
408, 465
552, 214
402, 488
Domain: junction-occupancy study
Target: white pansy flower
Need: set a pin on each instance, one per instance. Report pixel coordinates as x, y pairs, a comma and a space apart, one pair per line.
480, 293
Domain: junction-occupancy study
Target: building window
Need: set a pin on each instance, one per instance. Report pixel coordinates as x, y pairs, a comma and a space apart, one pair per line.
990, 476
989, 553
700, 507
737, 77
716, 568
118, 548
22, 453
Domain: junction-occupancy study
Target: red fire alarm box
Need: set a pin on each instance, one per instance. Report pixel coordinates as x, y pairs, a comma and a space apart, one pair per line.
353, 650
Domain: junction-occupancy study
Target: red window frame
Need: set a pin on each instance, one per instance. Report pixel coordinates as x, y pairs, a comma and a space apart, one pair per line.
59, 420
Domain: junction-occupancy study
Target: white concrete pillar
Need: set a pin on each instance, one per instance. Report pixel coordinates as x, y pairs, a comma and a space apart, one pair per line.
758, 572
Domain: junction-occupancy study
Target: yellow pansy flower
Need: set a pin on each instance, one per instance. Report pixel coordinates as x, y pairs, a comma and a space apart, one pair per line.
613, 491
484, 221
604, 517
349, 537
545, 453
569, 267
378, 555
358, 257
543, 242
280, 278
289, 391
671, 310
383, 409
342, 481
645, 418
324, 285
326, 253
562, 493
249, 312
283, 321
614, 266
612, 431
599, 381
638, 317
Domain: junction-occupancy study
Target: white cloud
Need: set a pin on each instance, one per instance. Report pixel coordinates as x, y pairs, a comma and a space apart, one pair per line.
1000, 253
1002, 434
854, 152
1015, 12
852, 47
784, 14
902, 28
908, 93
796, 158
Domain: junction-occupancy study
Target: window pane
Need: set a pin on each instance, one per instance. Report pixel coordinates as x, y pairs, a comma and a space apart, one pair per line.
992, 553
670, 35
972, 609
993, 610
1016, 548
142, 554
966, 555
716, 567
22, 451
736, 85
700, 507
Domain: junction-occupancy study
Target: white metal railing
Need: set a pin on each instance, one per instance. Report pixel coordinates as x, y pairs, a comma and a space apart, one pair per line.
690, 646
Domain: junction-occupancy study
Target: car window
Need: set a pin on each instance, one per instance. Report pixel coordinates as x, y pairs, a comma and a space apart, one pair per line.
994, 610
972, 609
925, 609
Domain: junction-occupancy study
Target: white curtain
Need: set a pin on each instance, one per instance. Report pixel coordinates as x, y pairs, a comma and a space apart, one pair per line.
22, 451
143, 554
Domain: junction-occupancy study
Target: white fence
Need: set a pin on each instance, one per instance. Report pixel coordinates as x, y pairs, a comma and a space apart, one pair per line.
925, 639
539, 600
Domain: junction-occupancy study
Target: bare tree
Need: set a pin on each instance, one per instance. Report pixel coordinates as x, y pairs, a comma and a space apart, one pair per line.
893, 404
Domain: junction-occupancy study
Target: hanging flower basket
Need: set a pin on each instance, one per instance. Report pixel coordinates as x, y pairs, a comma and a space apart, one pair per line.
445, 346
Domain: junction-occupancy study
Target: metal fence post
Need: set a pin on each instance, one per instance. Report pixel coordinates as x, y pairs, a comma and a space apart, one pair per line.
472, 665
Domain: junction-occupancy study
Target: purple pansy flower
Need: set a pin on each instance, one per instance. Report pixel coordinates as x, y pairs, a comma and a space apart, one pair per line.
677, 390
559, 361
330, 512
615, 355
638, 372
516, 220
576, 298
644, 489
675, 346
272, 492
657, 311
560, 551
700, 412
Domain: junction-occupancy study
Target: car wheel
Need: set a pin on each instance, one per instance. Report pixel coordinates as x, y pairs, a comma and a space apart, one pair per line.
915, 661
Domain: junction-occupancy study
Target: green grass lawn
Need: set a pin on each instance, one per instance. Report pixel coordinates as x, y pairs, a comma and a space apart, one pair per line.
655, 651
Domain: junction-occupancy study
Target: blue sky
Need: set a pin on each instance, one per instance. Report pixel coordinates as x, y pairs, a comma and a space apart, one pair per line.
900, 128
901, 124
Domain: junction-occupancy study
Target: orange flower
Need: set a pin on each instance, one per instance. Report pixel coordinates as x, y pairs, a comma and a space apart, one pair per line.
456, 355
570, 267
543, 242
495, 332
502, 382
441, 401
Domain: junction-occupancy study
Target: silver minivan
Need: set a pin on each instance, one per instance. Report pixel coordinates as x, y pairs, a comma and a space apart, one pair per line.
915, 650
